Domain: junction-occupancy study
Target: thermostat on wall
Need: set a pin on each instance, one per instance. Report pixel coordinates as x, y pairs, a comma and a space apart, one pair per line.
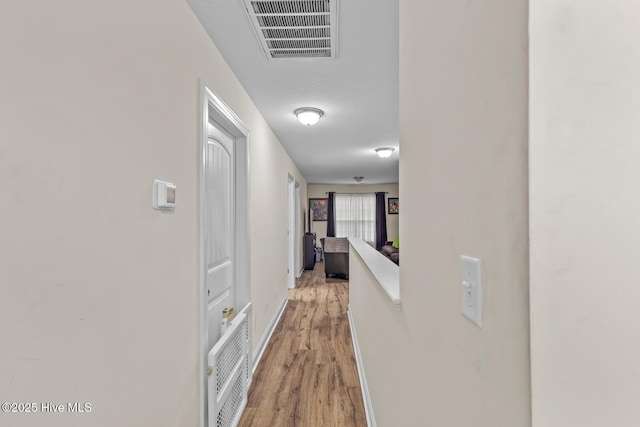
164, 195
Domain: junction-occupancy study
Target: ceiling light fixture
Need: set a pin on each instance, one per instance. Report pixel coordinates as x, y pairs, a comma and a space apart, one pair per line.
308, 116
358, 179
385, 152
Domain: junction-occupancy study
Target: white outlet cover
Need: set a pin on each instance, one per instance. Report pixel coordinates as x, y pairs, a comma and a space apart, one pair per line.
472, 289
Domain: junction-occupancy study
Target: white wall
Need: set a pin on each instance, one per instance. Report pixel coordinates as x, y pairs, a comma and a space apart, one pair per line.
463, 188
99, 293
585, 212
319, 191
270, 165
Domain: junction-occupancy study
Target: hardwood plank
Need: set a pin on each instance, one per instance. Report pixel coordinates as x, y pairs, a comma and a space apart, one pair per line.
307, 375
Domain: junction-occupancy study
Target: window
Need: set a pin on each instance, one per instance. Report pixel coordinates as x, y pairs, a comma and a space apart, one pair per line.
356, 216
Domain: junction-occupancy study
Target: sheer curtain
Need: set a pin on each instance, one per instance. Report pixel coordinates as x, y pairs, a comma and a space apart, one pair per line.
356, 216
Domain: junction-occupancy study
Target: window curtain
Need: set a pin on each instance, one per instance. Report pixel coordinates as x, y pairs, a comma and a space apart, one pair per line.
381, 221
331, 215
356, 216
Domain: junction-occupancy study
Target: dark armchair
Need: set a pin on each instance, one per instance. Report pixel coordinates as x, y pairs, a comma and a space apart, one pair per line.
336, 255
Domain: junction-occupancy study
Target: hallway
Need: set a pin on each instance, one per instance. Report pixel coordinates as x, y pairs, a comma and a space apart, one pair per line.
308, 375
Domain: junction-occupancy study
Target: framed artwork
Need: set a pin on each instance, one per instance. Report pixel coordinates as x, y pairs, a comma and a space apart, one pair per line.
319, 209
393, 206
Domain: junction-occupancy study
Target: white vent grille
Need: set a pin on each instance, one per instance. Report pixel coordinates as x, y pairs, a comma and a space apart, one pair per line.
229, 364
295, 28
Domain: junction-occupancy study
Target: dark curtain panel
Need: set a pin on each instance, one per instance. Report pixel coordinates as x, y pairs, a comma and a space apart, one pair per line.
331, 215
381, 221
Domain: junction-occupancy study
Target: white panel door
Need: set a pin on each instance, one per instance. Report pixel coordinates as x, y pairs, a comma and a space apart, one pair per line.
219, 228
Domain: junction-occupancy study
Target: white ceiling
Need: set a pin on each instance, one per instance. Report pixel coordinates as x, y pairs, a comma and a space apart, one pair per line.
358, 91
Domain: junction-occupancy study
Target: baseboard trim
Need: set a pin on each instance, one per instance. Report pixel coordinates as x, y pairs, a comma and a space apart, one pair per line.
262, 345
366, 398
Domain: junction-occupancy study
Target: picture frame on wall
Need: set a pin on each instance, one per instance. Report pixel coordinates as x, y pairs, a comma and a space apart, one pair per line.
319, 209
393, 207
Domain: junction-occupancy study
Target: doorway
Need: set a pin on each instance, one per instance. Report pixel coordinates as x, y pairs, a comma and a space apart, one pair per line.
298, 233
293, 231
225, 249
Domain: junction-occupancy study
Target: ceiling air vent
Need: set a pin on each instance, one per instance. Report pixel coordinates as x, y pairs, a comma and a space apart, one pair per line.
290, 29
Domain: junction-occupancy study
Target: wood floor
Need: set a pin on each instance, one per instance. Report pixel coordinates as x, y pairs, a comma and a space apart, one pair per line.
308, 374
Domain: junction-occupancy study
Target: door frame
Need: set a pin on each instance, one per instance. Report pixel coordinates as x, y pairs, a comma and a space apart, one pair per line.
298, 234
213, 108
292, 232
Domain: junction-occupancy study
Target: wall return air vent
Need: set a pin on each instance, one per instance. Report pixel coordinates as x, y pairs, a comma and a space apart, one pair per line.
294, 29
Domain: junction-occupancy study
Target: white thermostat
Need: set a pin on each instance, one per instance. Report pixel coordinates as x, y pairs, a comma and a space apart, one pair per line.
164, 195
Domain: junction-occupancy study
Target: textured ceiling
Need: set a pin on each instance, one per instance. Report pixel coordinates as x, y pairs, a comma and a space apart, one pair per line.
358, 91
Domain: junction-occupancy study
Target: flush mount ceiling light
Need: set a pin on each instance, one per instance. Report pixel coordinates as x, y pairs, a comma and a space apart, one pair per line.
384, 152
358, 179
308, 116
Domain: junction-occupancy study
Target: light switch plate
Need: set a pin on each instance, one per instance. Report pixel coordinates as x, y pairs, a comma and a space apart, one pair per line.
472, 289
